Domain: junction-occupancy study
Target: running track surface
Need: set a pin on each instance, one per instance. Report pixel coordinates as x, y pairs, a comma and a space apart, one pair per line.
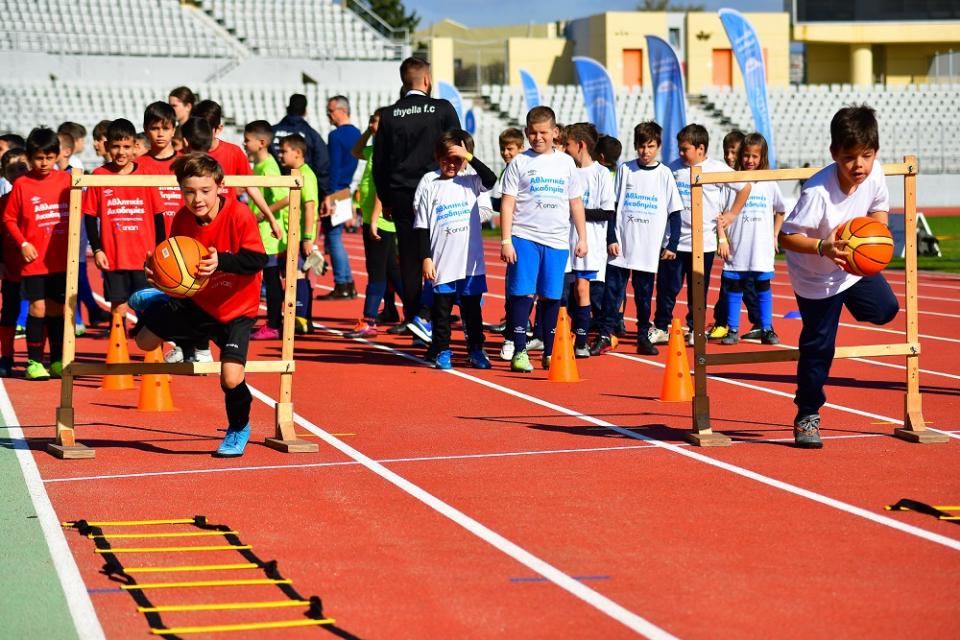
479, 504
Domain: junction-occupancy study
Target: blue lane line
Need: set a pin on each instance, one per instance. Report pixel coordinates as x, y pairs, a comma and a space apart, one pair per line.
542, 579
106, 590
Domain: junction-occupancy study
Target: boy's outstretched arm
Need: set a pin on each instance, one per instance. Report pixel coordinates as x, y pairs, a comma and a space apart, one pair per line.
507, 206
829, 247
579, 218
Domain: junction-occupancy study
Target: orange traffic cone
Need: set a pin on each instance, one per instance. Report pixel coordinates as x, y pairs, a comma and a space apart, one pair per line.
677, 386
155, 388
116, 354
563, 364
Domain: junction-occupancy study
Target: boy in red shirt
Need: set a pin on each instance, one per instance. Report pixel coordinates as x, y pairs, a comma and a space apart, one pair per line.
226, 309
159, 125
36, 217
14, 163
130, 220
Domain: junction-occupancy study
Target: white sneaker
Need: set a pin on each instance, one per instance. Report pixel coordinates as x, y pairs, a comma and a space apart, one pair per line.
690, 339
204, 355
658, 336
174, 355
535, 344
506, 351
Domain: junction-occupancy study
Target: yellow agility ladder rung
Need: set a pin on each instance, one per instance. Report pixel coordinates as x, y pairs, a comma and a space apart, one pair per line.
273, 604
253, 626
203, 583
187, 567
133, 523
218, 547
185, 534
949, 518
938, 507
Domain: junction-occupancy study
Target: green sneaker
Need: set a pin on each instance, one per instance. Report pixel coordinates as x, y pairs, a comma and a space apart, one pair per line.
521, 362
36, 371
56, 369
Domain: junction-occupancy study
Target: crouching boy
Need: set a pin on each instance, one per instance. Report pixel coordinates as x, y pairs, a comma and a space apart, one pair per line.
225, 310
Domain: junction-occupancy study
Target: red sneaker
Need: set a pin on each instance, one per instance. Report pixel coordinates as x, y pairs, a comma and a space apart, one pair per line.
363, 329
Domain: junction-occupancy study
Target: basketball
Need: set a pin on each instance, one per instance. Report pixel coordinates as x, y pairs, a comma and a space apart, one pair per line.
175, 264
870, 245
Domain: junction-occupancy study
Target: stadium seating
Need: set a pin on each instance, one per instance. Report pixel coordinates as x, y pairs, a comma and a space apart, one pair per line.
161, 28
319, 29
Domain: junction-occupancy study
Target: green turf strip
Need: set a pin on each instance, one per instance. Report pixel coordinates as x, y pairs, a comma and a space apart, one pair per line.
32, 604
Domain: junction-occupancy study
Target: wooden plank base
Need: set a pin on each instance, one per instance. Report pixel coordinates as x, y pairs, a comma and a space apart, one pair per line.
292, 446
922, 437
74, 452
708, 439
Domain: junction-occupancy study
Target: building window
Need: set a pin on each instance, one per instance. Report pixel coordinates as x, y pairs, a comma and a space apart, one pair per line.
674, 36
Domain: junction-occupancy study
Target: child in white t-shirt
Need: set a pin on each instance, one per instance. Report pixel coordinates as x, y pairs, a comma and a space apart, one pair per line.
693, 141
451, 245
598, 203
751, 244
648, 201
850, 187
541, 194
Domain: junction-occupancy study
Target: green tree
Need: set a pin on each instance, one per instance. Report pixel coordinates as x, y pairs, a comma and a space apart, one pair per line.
667, 5
395, 14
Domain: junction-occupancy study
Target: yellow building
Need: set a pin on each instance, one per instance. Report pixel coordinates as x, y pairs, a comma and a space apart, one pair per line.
876, 52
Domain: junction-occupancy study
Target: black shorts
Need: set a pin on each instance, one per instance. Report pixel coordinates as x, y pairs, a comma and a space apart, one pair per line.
49, 286
180, 320
120, 284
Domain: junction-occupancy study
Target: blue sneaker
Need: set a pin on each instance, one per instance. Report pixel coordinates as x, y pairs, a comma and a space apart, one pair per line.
479, 359
234, 443
444, 360
140, 300
421, 328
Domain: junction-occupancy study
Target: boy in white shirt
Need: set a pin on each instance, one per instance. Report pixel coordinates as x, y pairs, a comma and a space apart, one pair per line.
598, 204
647, 201
850, 187
693, 141
451, 244
541, 194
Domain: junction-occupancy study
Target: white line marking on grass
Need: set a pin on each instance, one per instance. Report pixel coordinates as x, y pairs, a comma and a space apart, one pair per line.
74, 589
687, 452
602, 603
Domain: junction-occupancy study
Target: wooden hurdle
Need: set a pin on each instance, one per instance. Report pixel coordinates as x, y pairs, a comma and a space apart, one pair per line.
913, 429
285, 438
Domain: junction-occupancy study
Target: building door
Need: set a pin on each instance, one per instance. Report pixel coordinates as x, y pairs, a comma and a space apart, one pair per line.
632, 67
722, 67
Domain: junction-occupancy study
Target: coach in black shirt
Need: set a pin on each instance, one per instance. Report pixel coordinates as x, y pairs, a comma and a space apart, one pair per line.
404, 153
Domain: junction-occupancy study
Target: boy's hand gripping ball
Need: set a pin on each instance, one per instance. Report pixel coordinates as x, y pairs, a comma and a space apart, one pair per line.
869, 244
175, 263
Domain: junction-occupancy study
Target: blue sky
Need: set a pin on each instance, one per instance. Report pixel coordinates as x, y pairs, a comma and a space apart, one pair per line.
488, 13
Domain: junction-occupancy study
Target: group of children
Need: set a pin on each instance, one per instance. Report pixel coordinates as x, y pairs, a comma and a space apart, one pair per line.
567, 223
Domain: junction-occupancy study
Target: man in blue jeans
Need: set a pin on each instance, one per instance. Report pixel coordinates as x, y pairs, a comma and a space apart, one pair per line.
342, 167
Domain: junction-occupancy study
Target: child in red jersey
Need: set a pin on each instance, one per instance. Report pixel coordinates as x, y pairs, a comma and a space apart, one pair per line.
14, 163
234, 160
159, 125
225, 310
36, 217
130, 220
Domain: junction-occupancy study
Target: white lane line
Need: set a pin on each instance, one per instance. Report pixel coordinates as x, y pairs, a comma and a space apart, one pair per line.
600, 602
687, 452
78, 599
465, 456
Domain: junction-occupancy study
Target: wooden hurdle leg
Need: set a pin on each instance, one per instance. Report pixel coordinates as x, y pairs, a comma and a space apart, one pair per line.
701, 435
914, 429
286, 436
65, 446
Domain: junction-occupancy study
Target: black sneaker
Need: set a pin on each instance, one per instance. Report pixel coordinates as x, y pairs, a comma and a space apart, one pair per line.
645, 347
398, 329
806, 432
386, 317
755, 333
732, 337
498, 328
621, 329
769, 336
601, 344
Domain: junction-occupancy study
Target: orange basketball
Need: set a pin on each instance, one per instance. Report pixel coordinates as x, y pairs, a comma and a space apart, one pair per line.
870, 245
175, 264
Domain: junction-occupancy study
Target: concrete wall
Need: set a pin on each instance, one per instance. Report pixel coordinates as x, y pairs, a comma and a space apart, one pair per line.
346, 74
828, 63
31, 67
441, 59
548, 60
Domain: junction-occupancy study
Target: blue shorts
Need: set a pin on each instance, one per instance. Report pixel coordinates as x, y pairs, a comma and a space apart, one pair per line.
539, 269
748, 275
469, 286
579, 274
